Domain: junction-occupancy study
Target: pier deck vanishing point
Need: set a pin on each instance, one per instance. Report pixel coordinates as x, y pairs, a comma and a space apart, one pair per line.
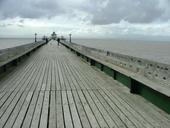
54, 88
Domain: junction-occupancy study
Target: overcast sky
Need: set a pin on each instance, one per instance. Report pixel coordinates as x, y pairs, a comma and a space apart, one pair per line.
85, 18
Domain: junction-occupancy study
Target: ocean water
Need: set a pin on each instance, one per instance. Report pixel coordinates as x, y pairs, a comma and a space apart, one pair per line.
158, 51
12, 42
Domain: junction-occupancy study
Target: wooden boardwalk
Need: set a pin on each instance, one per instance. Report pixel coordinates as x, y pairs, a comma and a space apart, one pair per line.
54, 88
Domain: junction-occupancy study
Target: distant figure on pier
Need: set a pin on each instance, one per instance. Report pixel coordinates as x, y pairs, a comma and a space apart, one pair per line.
58, 40
46, 40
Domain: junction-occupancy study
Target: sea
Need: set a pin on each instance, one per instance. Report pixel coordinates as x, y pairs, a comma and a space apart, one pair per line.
13, 42
154, 50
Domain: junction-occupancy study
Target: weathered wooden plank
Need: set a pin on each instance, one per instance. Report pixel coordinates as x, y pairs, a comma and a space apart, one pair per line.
8, 112
29, 114
38, 76
123, 109
77, 78
24, 83
31, 109
40, 81
81, 111
73, 83
97, 116
145, 111
99, 81
95, 110
88, 110
84, 97
44, 113
111, 122
37, 113
21, 115
74, 113
52, 112
68, 75
136, 114
24, 107
84, 76
2, 94
59, 112
65, 77
44, 83
19, 74
19, 81
118, 120
62, 84
49, 75
106, 112
118, 111
12, 77
53, 76
57, 78
66, 111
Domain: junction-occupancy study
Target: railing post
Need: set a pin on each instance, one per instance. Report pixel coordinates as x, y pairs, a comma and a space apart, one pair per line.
92, 62
15, 62
4, 68
114, 74
70, 37
35, 37
102, 67
133, 87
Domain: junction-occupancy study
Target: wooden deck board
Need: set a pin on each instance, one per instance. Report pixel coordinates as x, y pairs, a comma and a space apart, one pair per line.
74, 112
59, 110
54, 88
44, 113
37, 113
52, 114
17, 91
31, 109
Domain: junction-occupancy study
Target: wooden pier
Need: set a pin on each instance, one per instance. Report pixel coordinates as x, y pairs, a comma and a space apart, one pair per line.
54, 88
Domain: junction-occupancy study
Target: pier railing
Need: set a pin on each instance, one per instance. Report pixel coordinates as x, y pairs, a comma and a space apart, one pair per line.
13, 54
145, 77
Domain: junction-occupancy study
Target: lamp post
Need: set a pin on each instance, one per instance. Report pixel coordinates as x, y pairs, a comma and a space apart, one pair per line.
70, 37
35, 37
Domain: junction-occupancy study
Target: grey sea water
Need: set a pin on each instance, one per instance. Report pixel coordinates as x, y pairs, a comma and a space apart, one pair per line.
158, 51
12, 42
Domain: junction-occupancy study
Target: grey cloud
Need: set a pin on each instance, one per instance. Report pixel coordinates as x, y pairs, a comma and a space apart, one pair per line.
133, 11
99, 11
4, 25
29, 8
20, 25
21, 21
